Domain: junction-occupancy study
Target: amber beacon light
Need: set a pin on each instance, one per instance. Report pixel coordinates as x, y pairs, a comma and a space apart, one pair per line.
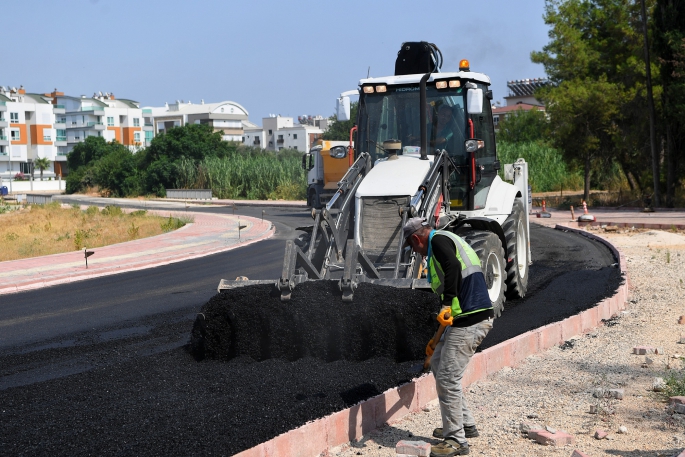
464, 65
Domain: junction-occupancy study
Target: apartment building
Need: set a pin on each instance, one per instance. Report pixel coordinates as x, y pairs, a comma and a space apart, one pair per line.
278, 132
102, 115
227, 117
521, 97
27, 132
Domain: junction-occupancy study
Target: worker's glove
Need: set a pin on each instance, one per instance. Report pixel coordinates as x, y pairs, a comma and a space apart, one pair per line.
445, 316
430, 348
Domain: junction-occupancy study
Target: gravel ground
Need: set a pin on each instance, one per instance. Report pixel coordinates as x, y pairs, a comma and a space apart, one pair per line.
555, 388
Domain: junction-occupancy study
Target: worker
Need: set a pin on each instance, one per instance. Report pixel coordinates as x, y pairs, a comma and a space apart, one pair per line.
455, 274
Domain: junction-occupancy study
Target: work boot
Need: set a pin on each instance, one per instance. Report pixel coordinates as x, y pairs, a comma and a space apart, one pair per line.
470, 431
448, 448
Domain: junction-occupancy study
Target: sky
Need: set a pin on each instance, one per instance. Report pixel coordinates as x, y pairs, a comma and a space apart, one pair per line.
271, 57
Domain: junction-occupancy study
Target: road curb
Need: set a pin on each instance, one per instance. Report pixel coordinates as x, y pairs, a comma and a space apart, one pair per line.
107, 271
353, 423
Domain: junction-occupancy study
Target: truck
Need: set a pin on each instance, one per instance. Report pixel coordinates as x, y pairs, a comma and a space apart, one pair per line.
325, 164
425, 147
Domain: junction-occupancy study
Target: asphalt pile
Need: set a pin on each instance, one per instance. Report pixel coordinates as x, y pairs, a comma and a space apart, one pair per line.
253, 322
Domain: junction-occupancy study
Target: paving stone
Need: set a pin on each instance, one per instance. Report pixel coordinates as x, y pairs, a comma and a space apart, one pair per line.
623, 429
577, 453
600, 434
417, 448
560, 438
681, 320
643, 350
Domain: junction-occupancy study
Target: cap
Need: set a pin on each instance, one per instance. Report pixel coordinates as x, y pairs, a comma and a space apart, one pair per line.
411, 226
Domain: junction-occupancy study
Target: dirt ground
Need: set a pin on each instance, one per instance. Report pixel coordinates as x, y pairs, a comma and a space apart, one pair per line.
555, 388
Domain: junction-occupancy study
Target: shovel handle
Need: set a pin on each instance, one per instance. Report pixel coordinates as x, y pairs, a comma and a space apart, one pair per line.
431, 344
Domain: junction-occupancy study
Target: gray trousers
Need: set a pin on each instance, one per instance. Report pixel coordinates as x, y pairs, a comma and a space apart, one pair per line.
449, 360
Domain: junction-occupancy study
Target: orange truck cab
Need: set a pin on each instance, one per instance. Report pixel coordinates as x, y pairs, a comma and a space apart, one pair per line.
326, 163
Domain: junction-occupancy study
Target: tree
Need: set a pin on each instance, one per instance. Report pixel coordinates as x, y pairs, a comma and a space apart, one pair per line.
42, 164
340, 130
523, 126
669, 51
595, 63
86, 152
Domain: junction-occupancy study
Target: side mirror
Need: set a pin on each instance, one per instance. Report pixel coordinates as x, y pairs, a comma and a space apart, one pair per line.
304, 161
338, 152
342, 108
474, 101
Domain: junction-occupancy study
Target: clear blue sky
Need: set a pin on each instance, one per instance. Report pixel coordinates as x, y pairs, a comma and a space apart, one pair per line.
288, 58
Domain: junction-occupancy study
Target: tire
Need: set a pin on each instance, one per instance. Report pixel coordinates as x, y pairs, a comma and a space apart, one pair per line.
516, 234
491, 254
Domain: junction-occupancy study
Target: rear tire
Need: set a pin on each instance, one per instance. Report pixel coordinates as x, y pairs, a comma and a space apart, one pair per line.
491, 254
314, 201
516, 234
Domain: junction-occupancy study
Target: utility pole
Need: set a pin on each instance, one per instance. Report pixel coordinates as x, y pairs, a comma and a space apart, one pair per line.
650, 101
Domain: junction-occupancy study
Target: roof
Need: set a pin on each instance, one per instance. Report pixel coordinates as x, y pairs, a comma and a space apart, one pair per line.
521, 106
415, 79
521, 87
192, 108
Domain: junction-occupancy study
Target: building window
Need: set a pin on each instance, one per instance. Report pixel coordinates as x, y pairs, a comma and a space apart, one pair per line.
25, 168
110, 121
136, 137
136, 122
14, 118
15, 135
61, 135
2, 151
271, 132
243, 139
295, 148
295, 137
149, 134
47, 137
280, 137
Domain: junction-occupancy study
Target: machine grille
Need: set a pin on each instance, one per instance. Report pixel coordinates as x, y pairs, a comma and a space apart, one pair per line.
381, 227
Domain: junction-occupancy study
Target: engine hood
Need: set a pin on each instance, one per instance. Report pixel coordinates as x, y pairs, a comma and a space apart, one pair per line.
402, 176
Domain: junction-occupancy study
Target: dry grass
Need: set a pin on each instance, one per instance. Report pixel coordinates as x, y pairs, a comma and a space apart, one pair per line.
51, 229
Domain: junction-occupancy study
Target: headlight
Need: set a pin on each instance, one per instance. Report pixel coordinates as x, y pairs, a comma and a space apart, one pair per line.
441, 84
368, 89
473, 145
338, 152
381, 89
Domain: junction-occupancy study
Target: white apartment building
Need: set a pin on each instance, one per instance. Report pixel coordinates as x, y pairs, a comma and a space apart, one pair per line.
49, 125
227, 117
104, 116
27, 132
278, 132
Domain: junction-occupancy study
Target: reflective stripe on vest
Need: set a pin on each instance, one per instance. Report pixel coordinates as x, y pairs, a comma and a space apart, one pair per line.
468, 259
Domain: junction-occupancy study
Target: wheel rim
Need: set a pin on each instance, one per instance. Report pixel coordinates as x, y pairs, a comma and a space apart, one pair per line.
521, 250
493, 277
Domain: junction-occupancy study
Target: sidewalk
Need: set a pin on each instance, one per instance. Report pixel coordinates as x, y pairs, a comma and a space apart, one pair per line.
208, 234
663, 220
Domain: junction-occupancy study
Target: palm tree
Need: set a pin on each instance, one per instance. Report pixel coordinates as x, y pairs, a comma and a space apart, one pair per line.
42, 163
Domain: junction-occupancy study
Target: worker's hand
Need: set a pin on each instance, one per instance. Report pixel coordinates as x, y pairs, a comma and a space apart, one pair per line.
445, 316
430, 348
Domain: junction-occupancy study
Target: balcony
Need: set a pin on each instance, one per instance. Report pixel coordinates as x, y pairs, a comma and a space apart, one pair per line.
3, 106
3, 123
148, 127
97, 110
58, 109
61, 138
95, 125
256, 142
147, 113
4, 141
280, 141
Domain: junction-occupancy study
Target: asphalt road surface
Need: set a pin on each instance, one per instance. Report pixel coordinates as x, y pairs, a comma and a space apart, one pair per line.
98, 367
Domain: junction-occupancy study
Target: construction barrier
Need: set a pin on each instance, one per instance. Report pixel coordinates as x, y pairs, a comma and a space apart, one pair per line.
189, 194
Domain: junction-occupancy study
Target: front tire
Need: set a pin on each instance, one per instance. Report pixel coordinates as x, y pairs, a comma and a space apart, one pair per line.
491, 254
516, 234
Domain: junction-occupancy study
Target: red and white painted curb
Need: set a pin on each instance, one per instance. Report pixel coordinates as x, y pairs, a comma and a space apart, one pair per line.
351, 424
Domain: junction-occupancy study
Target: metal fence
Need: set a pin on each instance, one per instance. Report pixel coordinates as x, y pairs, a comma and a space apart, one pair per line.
189, 194
38, 199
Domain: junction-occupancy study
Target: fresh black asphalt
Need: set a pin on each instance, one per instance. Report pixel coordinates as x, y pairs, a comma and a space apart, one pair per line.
100, 367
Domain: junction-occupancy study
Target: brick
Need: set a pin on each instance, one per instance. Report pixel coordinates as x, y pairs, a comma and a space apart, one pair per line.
678, 399
600, 434
549, 336
475, 371
418, 448
681, 320
310, 439
560, 438
523, 346
570, 327
682, 454
577, 453
425, 389
497, 357
643, 350
589, 319
397, 403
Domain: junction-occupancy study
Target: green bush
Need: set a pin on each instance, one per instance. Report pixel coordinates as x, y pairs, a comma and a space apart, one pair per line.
547, 170
172, 224
111, 210
92, 210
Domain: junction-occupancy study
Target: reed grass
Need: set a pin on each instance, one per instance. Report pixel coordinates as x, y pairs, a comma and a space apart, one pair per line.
246, 175
547, 170
38, 230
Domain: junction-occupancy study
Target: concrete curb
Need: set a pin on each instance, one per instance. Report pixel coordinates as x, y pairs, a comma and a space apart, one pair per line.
351, 424
40, 283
